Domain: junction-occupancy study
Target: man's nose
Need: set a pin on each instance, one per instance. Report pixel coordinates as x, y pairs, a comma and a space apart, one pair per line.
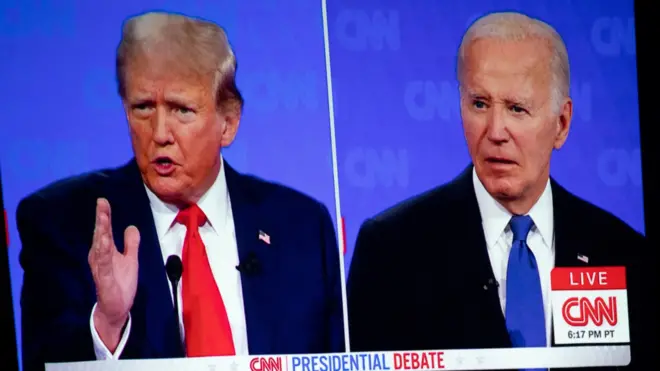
162, 133
497, 125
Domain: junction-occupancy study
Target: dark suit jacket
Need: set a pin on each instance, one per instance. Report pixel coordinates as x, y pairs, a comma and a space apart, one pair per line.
418, 271
293, 305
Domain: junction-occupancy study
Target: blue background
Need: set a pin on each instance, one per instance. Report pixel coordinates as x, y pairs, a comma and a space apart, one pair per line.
398, 129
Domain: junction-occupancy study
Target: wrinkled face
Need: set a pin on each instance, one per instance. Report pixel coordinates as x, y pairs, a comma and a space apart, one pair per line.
176, 130
510, 123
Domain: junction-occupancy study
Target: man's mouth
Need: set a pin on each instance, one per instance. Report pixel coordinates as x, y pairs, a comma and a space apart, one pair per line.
163, 160
500, 161
163, 165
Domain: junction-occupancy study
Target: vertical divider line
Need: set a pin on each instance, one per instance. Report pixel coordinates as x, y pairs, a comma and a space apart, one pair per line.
335, 172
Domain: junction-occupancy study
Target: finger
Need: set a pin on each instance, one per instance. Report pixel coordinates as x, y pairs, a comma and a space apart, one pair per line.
98, 260
97, 229
104, 256
104, 229
101, 218
105, 216
95, 250
103, 245
131, 242
103, 249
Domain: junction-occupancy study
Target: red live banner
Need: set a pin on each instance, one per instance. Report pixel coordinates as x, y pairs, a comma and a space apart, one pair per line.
589, 278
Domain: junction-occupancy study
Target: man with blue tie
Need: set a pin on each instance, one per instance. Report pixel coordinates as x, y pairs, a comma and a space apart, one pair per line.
252, 266
467, 264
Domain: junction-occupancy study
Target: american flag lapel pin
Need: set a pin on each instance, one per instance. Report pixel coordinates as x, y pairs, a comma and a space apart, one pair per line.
263, 236
583, 258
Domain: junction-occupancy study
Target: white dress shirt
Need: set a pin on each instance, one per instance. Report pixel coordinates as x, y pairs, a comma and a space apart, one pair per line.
219, 238
499, 238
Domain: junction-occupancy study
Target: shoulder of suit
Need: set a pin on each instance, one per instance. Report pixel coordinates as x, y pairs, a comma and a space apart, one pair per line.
439, 201
604, 221
274, 192
65, 190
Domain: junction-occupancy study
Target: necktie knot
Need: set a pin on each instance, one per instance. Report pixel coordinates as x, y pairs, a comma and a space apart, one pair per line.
520, 226
192, 216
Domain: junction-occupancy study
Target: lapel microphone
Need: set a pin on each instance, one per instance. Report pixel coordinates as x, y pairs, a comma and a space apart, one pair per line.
174, 269
491, 284
250, 266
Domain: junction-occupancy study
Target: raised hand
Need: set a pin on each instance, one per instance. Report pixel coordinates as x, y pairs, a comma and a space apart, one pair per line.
115, 275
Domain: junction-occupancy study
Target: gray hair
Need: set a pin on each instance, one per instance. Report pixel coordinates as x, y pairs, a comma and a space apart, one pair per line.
518, 27
194, 44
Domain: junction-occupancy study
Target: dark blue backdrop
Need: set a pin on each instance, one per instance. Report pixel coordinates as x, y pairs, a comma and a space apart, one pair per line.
397, 122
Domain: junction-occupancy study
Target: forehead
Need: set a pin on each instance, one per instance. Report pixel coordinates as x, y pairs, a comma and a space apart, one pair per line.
508, 67
149, 76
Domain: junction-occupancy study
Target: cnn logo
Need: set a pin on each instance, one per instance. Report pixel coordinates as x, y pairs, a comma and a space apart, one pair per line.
580, 311
266, 364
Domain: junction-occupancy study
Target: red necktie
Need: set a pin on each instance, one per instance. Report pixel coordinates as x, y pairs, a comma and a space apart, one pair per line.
204, 315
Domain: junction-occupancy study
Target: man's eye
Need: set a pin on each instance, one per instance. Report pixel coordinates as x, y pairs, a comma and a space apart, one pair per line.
142, 107
518, 109
185, 112
479, 104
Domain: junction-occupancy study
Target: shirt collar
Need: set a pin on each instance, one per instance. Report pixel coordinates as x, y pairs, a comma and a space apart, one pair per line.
214, 203
495, 218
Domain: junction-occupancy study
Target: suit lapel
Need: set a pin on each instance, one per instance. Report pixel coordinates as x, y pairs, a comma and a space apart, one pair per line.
259, 288
153, 311
479, 272
571, 247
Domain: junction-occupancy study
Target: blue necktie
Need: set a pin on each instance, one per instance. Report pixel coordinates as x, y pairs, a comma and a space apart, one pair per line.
525, 319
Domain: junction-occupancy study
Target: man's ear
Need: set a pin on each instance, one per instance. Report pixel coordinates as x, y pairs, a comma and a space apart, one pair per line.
563, 123
231, 116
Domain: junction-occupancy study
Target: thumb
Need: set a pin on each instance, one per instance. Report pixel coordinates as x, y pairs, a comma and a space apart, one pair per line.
131, 242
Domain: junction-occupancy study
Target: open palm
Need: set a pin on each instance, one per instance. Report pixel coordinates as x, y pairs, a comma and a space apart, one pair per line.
115, 274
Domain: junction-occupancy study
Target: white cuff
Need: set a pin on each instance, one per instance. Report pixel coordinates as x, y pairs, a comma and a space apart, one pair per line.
102, 352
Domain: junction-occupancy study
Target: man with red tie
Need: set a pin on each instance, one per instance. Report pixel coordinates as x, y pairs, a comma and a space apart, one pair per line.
258, 262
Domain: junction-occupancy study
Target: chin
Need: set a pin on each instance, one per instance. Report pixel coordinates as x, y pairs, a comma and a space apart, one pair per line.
502, 188
166, 188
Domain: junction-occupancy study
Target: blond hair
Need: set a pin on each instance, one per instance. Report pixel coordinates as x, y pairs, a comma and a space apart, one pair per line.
194, 44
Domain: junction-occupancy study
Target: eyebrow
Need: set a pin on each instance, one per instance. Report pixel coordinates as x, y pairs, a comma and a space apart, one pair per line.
179, 99
140, 97
518, 101
473, 94
171, 99
507, 99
